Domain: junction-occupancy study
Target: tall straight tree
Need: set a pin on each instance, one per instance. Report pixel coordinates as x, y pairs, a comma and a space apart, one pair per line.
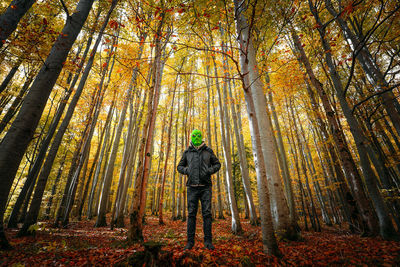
240, 144
225, 137
17, 139
10, 18
386, 227
33, 213
353, 176
284, 226
369, 65
135, 232
283, 161
270, 245
101, 218
164, 172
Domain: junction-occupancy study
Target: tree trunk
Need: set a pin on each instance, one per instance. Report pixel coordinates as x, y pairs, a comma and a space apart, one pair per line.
270, 245
284, 225
42, 180
285, 168
10, 18
386, 227
135, 232
54, 187
241, 150
101, 218
160, 205
16, 141
225, 132
10, 74
349, 166
173, 192
124, 176
372, 71
219, 193
107, 129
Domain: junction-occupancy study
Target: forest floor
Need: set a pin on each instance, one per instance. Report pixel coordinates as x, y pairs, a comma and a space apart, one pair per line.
83, 245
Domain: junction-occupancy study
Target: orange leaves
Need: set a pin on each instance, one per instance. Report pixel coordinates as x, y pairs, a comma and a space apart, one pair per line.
141, 41
81, 244
317, 26
113, 24
348, 9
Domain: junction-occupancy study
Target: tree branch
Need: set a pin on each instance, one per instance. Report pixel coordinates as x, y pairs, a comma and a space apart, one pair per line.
373, 95
65, 8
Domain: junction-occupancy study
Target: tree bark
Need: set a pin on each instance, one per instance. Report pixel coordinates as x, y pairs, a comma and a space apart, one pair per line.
135, 232
16, 141
10, 74
225, 132
43, 177
270, 245
386, 227
164, 174
10, 18
349, 166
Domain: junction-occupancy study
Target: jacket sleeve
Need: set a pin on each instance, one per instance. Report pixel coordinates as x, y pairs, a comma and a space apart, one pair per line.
215, 164
182, 165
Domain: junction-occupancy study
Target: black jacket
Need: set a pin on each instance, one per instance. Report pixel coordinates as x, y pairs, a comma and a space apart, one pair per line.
198, 164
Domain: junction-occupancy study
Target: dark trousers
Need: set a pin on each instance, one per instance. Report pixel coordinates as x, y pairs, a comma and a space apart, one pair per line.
194, 194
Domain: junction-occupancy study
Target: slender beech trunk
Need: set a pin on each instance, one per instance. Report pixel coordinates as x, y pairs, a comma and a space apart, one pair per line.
270, 245
285, 227
133, 153
123, 179
241, 149
313, 172
173, 192
284, 161
135, 232
54, 187
164, 174
209, 138
43, 177
83, 154
219, 193
157, 178
101, 219
10, 18
96, 160
314, 217
293, 150
386, 227
225, 132
349, 166
9, 76
17, 139
371, 69
85, 190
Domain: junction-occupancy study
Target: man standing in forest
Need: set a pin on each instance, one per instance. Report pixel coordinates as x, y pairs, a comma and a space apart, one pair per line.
198, 162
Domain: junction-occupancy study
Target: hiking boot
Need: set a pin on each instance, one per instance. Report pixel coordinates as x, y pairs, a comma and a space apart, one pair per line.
188, 246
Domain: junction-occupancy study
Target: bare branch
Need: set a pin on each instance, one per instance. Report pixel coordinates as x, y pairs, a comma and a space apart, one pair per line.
373, 95
65, 8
